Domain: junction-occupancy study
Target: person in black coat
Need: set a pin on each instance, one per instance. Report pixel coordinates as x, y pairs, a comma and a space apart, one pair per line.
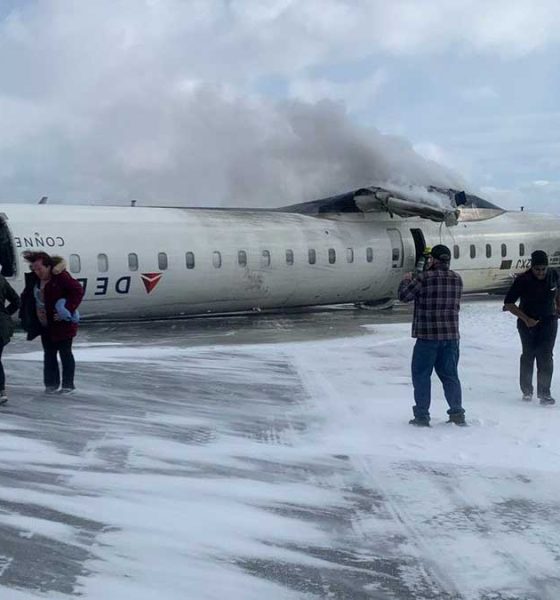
9, 296
537, 323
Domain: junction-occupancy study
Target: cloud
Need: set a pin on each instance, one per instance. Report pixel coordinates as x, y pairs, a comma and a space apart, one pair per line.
339, 29
536, 196
160, 101
110, 110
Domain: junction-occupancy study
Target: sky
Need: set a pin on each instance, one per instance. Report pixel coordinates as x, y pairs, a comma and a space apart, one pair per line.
272, 102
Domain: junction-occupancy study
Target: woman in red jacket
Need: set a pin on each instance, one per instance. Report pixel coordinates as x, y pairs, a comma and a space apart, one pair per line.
45, 286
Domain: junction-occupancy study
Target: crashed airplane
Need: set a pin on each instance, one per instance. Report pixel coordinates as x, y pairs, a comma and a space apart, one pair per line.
151, 262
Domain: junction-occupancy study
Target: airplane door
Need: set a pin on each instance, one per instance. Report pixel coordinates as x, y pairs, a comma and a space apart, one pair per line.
419, 244
397, 250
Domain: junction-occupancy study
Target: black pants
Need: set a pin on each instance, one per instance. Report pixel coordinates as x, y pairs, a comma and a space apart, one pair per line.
2, 375
538, 344
51, 374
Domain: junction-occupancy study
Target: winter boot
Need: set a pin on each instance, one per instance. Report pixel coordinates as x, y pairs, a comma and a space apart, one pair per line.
457, 418
66, 390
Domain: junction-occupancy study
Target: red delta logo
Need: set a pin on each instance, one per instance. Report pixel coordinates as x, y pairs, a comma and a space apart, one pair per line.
150, 280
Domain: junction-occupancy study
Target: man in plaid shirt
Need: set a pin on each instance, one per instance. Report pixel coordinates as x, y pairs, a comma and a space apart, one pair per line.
437, 294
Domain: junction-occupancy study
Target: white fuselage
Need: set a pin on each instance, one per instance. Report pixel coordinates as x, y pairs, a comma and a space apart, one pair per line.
150, 262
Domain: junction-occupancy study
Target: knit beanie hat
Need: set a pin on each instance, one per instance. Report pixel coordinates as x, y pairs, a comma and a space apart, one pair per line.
539, 258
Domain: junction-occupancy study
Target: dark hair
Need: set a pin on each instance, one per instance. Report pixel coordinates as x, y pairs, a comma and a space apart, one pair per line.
31, 257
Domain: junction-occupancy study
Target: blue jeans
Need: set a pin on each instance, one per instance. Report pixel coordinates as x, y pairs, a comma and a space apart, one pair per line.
443, 356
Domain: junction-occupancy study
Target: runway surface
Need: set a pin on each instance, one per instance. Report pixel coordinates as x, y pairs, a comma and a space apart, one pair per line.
270, 456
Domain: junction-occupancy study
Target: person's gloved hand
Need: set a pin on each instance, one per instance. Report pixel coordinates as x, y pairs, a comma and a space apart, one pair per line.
64, 314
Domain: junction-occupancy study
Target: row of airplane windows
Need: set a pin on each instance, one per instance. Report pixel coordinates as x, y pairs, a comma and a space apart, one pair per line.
472, 252
265, 259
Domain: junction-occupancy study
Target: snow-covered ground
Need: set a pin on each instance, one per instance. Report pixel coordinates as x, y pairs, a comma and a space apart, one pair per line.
278, 470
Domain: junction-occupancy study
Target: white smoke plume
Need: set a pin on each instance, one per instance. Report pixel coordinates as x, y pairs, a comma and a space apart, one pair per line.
421, 195
201, 147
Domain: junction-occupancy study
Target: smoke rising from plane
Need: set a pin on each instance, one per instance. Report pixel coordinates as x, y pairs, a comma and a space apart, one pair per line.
205, 147
134, 113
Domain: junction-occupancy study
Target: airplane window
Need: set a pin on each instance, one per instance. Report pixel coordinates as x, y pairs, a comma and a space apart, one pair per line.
311, 256
265, 258
162, 261
349, 255
396, 255
504, 250
488, 251
133, 262
473, 251
74, 263
369, 254
189, 260
332, 256
290, 257
242, 258
521, 249
456, 252
102, 263
217, 259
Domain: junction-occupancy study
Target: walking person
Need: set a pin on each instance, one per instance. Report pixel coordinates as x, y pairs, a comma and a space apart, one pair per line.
49, 305
436, 293
537, 324
7, 295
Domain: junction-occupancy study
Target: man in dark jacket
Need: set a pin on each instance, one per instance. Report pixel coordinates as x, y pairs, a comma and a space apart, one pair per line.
437, 294
45, 286
537, 323
9, 295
